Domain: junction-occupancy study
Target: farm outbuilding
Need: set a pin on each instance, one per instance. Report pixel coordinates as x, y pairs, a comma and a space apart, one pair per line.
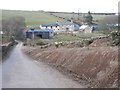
86, 29
44, 34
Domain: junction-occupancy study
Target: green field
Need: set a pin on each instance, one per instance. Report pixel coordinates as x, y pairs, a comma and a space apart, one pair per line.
76, 37
65, 37
75, 16
32, 18
35, 18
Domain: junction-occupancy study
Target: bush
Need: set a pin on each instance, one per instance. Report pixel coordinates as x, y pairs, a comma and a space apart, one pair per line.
80, 44
40, 42
87, 42
115, 37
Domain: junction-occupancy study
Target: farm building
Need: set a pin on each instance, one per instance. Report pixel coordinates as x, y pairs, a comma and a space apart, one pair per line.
55, 27
86, 29
42, 33
68, 26
61, 26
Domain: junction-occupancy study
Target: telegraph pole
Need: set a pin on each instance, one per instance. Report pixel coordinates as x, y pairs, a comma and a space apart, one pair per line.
73, 15
78, 13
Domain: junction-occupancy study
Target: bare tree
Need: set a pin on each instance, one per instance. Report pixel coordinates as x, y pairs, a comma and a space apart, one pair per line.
14, 26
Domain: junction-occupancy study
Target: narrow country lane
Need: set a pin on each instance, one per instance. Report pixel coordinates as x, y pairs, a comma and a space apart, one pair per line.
20, 71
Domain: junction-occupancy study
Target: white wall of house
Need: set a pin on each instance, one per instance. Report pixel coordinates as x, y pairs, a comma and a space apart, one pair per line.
55, 28
64, 27
42, 27
60, 27
71, 28
49, 28
86, 29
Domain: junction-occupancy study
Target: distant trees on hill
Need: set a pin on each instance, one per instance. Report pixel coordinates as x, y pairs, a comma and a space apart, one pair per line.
109, 20
88, 18
108, 23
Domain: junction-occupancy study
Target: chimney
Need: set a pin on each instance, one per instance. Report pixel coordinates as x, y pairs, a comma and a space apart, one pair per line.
71, 21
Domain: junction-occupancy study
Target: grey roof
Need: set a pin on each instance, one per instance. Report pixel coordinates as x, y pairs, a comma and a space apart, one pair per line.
48, 25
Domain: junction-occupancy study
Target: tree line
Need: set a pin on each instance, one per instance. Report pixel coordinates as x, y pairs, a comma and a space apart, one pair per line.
13, 26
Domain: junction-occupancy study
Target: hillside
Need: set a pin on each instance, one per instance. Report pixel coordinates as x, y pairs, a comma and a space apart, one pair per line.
33, 18
96, 16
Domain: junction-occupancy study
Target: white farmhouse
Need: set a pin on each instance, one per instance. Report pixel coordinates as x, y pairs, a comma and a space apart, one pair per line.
55, 27
61, 26
67, 26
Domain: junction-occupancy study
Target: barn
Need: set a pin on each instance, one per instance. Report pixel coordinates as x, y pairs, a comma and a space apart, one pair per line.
44, 34
86, 29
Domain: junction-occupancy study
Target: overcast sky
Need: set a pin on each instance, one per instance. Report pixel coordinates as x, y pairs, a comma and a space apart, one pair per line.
62, 5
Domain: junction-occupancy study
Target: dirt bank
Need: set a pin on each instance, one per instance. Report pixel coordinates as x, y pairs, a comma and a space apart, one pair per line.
4, 48
98, 66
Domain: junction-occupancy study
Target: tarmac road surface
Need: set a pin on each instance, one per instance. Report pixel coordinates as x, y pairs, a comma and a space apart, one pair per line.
20, 71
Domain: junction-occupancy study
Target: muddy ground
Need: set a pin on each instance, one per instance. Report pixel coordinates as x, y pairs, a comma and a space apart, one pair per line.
95, 66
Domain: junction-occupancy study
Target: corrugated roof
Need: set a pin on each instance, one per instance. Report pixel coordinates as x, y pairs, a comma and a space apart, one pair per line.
41, 30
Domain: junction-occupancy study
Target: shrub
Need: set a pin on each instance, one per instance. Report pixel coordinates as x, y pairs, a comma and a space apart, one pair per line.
115, 37
40, 42
87, 42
